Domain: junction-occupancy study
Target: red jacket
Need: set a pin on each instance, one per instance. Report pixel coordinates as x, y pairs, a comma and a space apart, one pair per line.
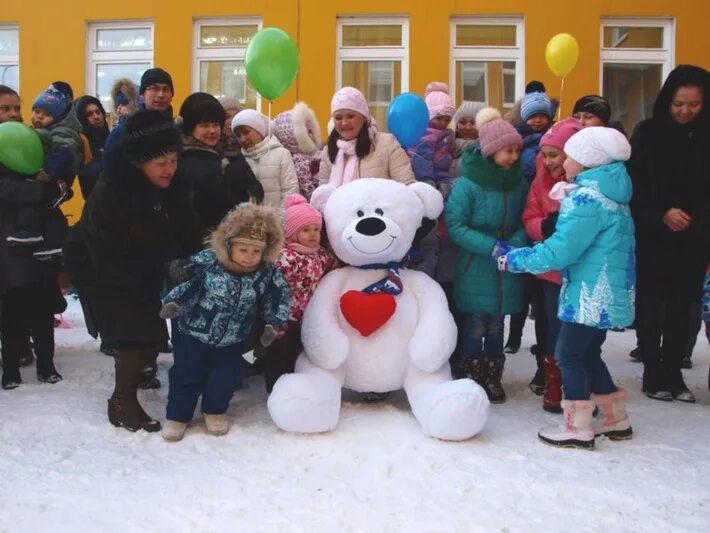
538, 206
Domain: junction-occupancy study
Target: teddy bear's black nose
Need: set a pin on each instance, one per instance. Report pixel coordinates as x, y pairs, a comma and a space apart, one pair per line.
370, 226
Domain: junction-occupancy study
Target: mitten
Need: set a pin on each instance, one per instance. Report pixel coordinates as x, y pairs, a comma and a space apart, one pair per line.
547, 226
500, 248
502, 263
271, 333
170, 310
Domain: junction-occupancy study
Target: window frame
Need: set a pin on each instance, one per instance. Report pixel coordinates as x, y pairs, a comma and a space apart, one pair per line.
638, 56
373, 53
501, 54
12, 60
96, 57
217, 53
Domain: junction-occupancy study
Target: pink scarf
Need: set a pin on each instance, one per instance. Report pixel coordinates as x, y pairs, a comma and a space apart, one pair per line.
343, 170
298, 247
561, 190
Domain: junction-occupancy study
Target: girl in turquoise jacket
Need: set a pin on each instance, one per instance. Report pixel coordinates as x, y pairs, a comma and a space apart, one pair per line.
483, 217
594, 248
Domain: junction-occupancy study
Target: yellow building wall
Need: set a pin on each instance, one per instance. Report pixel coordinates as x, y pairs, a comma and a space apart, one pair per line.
53, 39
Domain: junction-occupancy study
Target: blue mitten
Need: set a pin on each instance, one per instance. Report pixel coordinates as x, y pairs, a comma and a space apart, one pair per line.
501, 248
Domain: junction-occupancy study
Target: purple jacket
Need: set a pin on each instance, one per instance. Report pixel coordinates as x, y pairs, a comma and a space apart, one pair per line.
431, 156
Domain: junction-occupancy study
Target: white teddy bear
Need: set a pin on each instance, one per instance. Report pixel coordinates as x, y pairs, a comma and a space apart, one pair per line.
373, 327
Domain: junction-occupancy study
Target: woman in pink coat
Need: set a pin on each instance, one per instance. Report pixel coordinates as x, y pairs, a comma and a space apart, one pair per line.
540, 216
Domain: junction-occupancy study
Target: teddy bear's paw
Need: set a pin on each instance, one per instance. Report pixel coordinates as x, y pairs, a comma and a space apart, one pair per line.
454, 410
305, 403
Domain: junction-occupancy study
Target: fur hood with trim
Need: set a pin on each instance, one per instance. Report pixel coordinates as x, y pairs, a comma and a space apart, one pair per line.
240, 217
126, 87
298, 129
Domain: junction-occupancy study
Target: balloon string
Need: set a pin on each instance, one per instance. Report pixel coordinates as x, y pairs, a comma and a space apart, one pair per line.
559, 107
269, 117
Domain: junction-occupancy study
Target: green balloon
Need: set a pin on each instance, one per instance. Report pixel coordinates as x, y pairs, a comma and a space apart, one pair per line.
271, 62
20, 148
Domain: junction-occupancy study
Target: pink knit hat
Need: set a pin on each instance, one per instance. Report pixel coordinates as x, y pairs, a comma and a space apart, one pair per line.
349, 98
560, 132
438, 101
494, 133
299, 213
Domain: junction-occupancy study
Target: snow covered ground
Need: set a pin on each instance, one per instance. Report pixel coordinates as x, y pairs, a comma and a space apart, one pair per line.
64, 468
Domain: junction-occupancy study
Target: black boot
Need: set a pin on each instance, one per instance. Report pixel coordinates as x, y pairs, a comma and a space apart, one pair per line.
537, 385
493, 386
149, 371
123, 407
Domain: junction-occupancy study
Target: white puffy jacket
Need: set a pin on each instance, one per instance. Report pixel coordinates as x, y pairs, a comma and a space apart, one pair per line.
273, 166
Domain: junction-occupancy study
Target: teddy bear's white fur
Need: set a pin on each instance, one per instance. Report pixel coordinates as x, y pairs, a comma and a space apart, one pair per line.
373, 221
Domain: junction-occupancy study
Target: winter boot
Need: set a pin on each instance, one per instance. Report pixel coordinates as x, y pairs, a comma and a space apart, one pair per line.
492, 385
173, 430
576, 432
553, 385
149, 371
123, 407
537, 385
613, 421
475, 369
217, 424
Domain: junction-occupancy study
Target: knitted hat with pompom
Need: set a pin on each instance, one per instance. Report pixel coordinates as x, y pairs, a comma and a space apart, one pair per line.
494, 133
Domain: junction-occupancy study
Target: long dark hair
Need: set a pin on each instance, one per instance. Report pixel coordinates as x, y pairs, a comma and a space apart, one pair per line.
363, 145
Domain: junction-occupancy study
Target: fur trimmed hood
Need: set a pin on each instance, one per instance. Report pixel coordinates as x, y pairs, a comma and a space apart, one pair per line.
126, 87
294, 128
248, 214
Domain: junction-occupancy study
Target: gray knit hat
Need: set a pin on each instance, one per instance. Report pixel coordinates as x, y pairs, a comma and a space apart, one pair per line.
466, 109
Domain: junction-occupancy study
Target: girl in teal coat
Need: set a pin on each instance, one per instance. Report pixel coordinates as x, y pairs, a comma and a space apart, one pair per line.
483, 219
593, 246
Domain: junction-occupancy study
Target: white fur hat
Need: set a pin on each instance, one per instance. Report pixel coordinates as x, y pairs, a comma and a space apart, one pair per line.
595, 146
253, 119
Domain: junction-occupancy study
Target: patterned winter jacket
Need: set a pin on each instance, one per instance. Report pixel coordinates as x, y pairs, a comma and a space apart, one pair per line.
594, 247
431, 156
218, 307
303, 272
706, 302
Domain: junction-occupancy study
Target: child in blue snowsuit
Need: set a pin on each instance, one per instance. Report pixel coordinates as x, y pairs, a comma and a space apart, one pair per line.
215, 311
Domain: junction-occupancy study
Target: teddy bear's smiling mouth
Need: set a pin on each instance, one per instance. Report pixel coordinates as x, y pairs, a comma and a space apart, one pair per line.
350, 239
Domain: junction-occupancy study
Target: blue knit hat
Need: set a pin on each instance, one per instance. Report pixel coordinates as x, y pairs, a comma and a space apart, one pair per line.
53, 102
534, 103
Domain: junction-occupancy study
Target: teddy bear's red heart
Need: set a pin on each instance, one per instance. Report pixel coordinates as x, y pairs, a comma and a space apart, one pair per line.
367, 312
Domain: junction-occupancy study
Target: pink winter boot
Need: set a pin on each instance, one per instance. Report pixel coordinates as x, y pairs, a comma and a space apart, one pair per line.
613, 421
576, 432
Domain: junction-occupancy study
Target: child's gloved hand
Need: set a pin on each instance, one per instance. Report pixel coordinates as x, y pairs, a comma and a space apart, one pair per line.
170, 310
500, 248
547, 226
502, 262
271, 333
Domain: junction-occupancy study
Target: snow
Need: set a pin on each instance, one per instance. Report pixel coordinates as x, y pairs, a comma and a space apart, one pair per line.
64, 468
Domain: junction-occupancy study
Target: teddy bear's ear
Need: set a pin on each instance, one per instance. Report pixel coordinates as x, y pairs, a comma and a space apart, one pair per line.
321, 195
430, 197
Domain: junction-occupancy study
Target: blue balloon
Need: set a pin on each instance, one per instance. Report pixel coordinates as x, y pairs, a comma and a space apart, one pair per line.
407, 118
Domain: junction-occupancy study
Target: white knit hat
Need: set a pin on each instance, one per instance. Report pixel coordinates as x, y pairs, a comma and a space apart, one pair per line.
466, 109
595, 146
253, 119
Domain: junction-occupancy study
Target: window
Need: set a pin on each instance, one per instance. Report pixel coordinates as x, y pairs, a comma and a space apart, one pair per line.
117, 50
373, 57
218, 67
10, 57
487, 60
636, 56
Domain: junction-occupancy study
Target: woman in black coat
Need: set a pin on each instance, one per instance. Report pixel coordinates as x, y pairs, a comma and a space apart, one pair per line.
136, 220
670, 169
213, 191
94, 132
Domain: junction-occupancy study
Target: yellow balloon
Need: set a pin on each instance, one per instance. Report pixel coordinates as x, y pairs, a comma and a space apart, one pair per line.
561, 54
